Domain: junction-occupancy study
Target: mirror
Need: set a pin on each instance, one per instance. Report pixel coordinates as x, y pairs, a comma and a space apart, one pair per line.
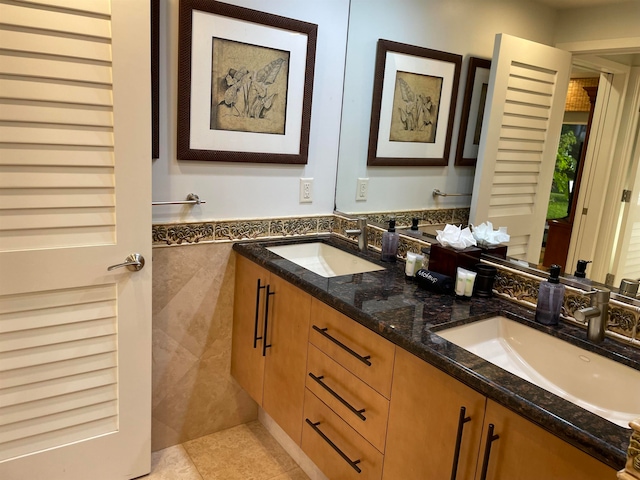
466, 28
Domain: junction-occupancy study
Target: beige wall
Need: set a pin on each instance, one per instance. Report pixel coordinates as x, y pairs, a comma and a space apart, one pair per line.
193, 391
616, 21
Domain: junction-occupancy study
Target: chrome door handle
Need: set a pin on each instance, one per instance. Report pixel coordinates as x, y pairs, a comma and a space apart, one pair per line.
133, 262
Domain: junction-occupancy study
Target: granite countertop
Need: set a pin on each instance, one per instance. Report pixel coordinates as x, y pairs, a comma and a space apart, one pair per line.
394, 307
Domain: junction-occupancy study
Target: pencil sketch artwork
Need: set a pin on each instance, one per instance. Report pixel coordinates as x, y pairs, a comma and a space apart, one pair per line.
416, 100
248, 87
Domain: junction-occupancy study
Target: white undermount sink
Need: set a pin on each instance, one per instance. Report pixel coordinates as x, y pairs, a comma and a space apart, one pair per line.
602, 386
324, 259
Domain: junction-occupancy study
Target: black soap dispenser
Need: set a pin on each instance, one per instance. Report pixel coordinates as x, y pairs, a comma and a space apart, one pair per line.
581, 269
580, 275
390, 240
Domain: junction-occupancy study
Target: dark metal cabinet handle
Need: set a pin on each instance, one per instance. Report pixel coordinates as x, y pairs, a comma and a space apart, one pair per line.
323, 332
266, 345
352, 463
456, 453
255, 326
487, 451
356, 412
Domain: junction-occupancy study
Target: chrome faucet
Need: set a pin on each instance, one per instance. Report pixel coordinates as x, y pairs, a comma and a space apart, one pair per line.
361, 233
596, 315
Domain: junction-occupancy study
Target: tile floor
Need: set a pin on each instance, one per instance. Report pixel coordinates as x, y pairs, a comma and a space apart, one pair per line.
244, 452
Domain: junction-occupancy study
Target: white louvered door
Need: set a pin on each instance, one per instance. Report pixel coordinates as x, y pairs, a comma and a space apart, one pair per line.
521, 128
75, 198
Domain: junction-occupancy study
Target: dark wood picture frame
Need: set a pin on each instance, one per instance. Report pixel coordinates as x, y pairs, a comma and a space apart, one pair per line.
155, 78
469, 103
185, 150
449, 83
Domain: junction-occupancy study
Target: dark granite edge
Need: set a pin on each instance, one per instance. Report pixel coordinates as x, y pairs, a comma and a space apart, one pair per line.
588, 432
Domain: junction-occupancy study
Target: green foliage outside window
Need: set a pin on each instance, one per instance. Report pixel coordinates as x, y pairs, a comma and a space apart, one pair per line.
565, 172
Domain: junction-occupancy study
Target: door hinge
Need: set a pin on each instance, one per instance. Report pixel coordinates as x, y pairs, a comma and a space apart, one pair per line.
584, 211
626, 196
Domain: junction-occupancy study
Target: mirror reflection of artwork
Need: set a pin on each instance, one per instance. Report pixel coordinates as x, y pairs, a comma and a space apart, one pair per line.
415, 108
248, 87
483, 101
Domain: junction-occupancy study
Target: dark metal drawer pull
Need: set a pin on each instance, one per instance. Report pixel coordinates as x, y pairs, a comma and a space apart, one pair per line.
266, 345
487, 451
255, 325
358, 413
323, 332
456, 453
353, 463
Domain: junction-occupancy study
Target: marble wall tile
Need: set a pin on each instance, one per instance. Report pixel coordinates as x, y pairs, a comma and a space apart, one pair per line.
193, 391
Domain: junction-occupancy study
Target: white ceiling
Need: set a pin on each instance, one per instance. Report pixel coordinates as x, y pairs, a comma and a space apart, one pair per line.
567, 4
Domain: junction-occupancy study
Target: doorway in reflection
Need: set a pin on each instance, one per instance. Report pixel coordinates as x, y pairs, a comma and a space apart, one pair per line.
572, 147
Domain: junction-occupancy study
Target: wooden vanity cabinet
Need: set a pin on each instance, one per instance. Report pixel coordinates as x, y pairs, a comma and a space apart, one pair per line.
269, 361
425, 420
420, 422
349, 373
247, 361
524, 451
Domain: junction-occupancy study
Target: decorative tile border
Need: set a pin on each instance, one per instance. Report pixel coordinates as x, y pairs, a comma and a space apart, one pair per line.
624, 320
433, 217
632, 467
235, 230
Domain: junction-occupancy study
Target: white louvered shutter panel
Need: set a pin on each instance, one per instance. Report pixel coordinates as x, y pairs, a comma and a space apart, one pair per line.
519, 141
73, 337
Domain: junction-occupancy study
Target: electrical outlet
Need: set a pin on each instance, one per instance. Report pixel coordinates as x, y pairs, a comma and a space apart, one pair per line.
306, 190
362, 189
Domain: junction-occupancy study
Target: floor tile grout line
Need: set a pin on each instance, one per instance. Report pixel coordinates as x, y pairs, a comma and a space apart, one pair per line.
191, 459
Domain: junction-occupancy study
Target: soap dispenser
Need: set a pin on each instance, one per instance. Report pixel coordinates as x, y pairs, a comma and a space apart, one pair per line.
580, 275
550, 298
390, 240
581, 269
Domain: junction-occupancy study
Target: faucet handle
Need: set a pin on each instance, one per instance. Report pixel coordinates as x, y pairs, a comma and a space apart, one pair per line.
600, 295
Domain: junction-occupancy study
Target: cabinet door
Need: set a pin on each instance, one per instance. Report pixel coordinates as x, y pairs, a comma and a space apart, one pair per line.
524, 451
286, 360
247, 360
424, 419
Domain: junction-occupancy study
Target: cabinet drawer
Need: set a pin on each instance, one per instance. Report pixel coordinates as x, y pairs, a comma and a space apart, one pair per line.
364, 353
336, 448
357, 403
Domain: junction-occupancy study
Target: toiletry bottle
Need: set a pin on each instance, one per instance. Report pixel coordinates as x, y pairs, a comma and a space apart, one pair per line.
580, 275
550, 298
390, 243
581, 269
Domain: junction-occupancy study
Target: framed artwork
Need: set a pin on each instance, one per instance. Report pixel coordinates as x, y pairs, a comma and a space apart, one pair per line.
245, 82
475, 96
414, 103
155, 78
